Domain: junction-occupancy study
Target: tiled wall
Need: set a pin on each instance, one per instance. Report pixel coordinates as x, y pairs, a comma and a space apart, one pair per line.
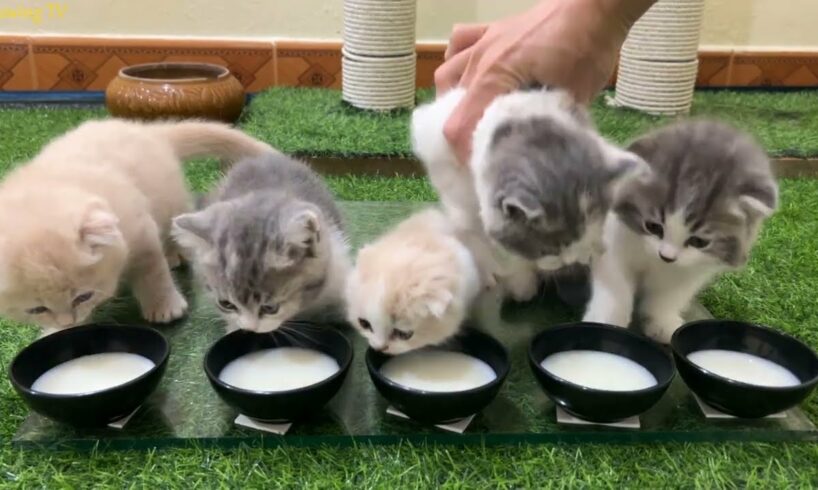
51, 63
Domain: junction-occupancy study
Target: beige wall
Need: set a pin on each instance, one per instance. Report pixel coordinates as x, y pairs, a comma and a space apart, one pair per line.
743, 24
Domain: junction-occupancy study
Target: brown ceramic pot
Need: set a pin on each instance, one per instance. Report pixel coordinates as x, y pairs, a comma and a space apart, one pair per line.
175, 90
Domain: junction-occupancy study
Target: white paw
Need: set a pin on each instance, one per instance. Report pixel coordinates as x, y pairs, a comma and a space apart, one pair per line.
165, 309
603, 315
522, 286
662, 329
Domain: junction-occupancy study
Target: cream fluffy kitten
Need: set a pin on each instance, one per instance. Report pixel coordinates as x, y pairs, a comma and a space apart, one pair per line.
95, 205
414, 286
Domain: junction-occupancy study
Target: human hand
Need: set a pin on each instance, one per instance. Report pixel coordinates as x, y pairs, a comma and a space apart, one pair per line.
572, 44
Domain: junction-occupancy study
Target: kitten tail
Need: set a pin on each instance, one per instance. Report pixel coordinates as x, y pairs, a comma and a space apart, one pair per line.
192, 139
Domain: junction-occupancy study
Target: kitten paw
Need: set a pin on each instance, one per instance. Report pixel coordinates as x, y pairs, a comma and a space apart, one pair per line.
522, 287
600, 315
165, 309
662, 329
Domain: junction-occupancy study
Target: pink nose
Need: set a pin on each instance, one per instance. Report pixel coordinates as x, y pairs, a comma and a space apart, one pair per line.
667, 259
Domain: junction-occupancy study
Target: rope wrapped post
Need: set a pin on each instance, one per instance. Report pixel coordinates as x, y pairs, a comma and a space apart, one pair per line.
658, 63
378, 58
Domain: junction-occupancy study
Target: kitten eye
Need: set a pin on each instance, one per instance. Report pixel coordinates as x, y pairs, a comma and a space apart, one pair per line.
402, 335
37, 310
82, 298
226, 305
365, 324
655, 228
268, 310
697, 242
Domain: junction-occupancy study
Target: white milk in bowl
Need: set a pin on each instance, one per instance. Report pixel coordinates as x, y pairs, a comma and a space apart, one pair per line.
438, 370
279, 369
744, 367
599, 370
95, 372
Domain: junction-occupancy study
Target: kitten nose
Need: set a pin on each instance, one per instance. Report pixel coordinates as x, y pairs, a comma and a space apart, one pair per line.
667, 259
65, 319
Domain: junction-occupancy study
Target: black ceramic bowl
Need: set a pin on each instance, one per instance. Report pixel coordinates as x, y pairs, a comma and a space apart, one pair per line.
734, 397
437, 407
97, 408
594, 404
278, 406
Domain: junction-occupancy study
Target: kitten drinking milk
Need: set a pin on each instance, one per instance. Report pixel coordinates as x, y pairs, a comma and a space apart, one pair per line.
537, 188
414, 286
270, 246
94, 207
670, 234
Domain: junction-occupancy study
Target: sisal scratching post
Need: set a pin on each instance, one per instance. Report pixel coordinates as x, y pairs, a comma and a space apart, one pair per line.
378, 57
659, 59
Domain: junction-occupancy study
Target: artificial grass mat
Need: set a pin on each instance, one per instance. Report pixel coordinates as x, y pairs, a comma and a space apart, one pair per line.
778, 287
315, 122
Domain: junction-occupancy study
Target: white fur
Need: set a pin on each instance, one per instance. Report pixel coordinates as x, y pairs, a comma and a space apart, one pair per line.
631, 265
455, 185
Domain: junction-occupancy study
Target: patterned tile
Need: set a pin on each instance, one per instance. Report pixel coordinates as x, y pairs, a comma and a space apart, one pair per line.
308, 64
66, 63
430, 56
775, 69
90, 63
715, 69
15, 64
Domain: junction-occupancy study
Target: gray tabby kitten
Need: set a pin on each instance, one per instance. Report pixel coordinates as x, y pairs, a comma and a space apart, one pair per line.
271, 244
536, 191
545, 178
697, 215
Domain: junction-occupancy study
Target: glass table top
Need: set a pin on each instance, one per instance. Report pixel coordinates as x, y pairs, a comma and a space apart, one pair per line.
185, 411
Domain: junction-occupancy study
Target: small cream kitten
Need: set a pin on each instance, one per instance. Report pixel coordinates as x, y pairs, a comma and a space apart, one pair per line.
414, 286
669, 235
95, 206
536, 191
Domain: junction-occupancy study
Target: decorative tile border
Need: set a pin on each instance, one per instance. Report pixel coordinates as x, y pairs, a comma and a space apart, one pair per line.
72, 63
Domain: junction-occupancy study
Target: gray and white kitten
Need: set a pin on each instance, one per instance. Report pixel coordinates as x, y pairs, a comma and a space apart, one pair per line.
538, 186
698, 214
270, 246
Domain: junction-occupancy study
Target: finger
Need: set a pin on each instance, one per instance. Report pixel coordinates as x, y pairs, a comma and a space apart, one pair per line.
448, 74
464, 36
460, 126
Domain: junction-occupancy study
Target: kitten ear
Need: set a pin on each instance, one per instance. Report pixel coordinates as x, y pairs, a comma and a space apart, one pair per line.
192, 230
624, 169
521, 207
302, 232
759, 201
99, 228
439, 302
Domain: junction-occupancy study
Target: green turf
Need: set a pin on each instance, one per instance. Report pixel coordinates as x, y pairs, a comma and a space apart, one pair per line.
778, 287
316, 122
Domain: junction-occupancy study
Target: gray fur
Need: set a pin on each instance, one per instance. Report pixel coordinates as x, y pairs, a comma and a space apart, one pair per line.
550, 181
264, 237
710, 171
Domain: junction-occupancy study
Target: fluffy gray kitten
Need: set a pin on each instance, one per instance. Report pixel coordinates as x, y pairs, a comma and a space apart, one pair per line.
270, 245
538, 186
698, 214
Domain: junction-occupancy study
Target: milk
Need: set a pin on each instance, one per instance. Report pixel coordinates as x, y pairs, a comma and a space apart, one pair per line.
744, 367
437, 370
95, 372
279, 369
599, 370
